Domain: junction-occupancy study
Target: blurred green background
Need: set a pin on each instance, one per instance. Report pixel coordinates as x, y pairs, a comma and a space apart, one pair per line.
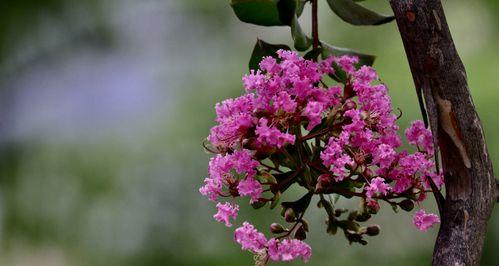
104, 106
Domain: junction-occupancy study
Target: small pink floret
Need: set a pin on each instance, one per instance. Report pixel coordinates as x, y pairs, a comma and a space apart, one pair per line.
423, 221
225, 212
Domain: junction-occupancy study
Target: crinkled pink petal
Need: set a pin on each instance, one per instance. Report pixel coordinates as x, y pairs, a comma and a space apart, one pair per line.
423, 221
225, 212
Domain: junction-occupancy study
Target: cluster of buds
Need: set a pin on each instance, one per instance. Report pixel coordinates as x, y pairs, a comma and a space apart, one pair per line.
291, 128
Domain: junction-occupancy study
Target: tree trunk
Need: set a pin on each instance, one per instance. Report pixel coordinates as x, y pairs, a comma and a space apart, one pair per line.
439, 74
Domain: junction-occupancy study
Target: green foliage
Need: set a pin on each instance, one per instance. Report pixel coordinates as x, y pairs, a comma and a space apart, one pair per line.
287, 12
300, 5
356, 14
264, 12
301, 41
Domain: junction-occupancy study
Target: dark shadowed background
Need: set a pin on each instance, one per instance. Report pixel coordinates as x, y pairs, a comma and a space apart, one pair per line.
104, 106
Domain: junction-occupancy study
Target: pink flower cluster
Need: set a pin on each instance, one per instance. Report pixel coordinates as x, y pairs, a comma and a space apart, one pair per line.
344, 133
235, 171
286, 250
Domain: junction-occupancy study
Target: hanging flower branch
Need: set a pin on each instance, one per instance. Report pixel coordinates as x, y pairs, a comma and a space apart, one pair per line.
327, 126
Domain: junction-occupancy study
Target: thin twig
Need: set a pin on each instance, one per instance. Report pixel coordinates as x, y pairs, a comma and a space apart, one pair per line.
315, 25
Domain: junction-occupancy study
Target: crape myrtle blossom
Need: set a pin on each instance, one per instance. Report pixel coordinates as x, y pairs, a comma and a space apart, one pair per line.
249, 238
288, 249
278, 250
250, 187
225, 212
423, 221
377, 185
291, 128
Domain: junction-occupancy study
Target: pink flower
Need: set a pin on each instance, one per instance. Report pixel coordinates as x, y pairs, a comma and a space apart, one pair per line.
414, 163
243, 162
225, 212
365, 74
254, 80
384, 155
347, 63
219, 170
235, 117
283, 101
334, 158
288, 249
402, 184
211, 189
313, 111
249, 238
418, 135
271, 136
377, 185
438, 179
423, 221
250, 187
269, 65
326, 65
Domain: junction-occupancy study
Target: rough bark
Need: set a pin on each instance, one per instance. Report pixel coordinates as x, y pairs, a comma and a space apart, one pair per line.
439, 74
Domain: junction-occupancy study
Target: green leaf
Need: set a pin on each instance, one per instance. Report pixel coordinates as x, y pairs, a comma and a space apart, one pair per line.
259, 204
310, 55
301, 41
356, 14
300, 5
259, 12
265, 12
263, 49
328, 207
287, 9
395, 207
330, 50
300, 205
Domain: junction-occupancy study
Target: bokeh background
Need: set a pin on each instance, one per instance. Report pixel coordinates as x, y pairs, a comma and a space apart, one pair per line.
104, 106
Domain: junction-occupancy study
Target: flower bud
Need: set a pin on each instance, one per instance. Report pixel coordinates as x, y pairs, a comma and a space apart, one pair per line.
372, 206
373, 230
304, 224
349, 104
407, 205
276, 228
363, 217
368, 173
332, 227
322, 182
289, 215
300, 234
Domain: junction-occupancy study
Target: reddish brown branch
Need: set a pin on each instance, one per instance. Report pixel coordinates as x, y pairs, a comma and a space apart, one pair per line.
315, 25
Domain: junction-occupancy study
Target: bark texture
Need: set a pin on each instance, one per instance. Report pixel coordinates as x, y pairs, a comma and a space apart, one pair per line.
440, 77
